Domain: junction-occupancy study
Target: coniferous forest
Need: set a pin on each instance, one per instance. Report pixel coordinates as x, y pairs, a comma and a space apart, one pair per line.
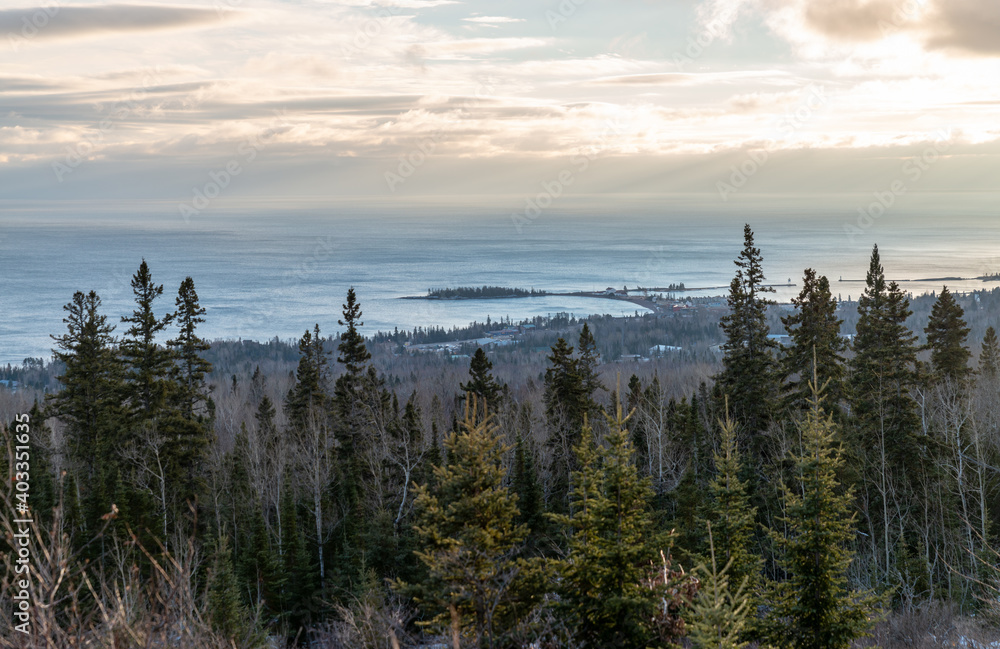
836, 491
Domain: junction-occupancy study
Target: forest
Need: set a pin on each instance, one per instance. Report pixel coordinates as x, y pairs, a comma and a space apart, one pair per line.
836, 491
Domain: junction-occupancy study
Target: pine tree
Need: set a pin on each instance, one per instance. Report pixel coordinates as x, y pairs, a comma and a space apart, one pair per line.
815, 608
187, 346
815, 332
357, 384
718, 613
565, 410
90, 403
467, 531
886, 426
149, 363
353, 354
482, 383
603, 582
225, 611
299, 582
989, 356
306, 401
586, 367
526, 485
749, 374
946, 336
730, 516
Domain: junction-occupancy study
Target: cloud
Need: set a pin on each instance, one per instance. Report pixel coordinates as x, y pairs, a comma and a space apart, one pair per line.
490, 20
962, 26
56, 22
971, 26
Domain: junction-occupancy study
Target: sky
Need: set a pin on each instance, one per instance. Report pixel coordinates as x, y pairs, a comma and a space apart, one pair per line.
312, 100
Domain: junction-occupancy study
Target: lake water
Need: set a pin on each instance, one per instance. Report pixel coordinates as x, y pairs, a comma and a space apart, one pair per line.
264, 270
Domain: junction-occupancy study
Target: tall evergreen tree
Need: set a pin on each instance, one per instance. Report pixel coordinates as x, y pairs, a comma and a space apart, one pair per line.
90, 403
719, 611
188, 347
586, 366
815, 332
149, 362
815, 607
749, 376
467, 529
612, 546
946, 335
528, 488
357, 387
307, 399
989, 356
482, 383
730, 515
886, 426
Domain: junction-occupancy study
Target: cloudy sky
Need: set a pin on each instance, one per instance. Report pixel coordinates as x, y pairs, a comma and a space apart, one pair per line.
315, 99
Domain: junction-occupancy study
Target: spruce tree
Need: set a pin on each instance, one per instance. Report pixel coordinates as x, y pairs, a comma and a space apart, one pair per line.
603, 581
467, 532
299, 583
148, 362
946, 336
886, 426
989, 356
307, 399
815, 332
565, 410
586, 367
815, 608
482, 383
729, 514
188, 347
90, 403
528, 488
225, 611
719, 611
749, 374
350, 399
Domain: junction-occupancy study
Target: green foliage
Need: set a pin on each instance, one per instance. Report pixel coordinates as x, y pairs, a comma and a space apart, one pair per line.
718, 613
482, 383
946, 336
604, 580
989, 356
569, 388
885, 427
729, 513
815, 608
149, 364
307, 399
467, 532
528, 488
90, 403
816, 342
749, 375
225, 611
188, 348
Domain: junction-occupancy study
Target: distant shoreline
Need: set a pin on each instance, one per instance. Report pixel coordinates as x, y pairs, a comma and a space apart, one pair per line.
616, 295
